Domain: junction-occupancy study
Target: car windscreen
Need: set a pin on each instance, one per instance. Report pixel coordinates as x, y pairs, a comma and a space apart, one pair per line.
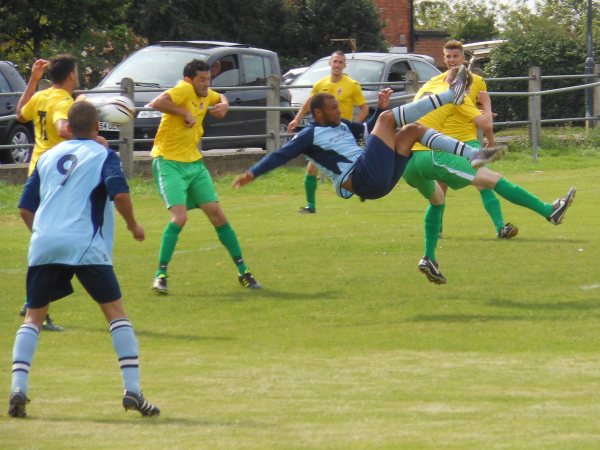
159, 68
361, 70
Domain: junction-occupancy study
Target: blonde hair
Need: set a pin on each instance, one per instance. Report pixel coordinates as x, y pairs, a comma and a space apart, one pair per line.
454, 45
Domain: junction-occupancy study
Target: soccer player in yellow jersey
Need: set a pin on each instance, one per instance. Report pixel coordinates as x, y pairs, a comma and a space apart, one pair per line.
466, 131
180, 174
48, 109
426, 169
348, 93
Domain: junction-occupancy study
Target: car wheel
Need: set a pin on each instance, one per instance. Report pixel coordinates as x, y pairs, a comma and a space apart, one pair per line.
19, 134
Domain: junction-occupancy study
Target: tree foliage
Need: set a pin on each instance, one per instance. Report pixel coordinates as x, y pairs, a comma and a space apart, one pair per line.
465, 20
299, 30
28, 25
551, 38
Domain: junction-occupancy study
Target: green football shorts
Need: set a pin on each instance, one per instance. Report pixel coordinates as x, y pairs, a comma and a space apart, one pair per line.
183, 183
426, 167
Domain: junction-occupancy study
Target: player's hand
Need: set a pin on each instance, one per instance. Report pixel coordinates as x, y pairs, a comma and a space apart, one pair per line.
219, 110
384, 98
242, 180
292, 125
38, 68
102, 141
137, 231
189, 119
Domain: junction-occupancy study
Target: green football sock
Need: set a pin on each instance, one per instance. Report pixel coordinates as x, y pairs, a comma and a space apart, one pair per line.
493, 208
310, 185
433, 225
519, 196
230, 241
167, 247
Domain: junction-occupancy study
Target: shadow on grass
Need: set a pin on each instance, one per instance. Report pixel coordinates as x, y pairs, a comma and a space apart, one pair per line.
135, 419
271, 294
465, 318
555, 306
140, 331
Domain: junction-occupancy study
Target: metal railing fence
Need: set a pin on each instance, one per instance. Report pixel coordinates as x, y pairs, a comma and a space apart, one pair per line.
274, 134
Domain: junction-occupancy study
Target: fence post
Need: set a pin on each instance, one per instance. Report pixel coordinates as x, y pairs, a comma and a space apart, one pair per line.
412, 82
126, 133
273, 117
596, 96
535, 109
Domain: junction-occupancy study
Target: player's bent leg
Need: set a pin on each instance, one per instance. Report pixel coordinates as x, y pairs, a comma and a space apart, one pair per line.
408, 136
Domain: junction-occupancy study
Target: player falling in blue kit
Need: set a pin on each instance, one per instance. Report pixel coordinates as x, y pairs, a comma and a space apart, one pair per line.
331, 142
66, 203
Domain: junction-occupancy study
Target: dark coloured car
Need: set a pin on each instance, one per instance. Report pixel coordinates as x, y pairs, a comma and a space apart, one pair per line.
367, 68
11, 131
234, 65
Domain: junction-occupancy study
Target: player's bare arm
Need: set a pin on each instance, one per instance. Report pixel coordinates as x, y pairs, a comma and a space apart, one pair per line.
27, 216
37, 71
219, 110
125, 208
164, 104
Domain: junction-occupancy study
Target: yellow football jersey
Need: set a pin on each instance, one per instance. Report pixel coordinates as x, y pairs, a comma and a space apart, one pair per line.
347, 92
437, 118
455, 126
45, 108
174, 139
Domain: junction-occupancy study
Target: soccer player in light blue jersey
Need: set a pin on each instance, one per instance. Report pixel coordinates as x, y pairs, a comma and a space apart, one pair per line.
66, 203
330, 142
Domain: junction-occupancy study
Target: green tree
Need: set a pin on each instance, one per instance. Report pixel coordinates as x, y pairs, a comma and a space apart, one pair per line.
298, 30
551, 38
465, 20
27, 25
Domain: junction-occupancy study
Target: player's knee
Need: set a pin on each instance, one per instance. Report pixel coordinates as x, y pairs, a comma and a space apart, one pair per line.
311, 170
387, 118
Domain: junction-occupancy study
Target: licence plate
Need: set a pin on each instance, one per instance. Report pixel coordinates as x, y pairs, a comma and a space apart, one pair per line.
107, 126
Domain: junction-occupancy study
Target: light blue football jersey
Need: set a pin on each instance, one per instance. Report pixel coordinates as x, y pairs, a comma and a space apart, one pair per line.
70, 192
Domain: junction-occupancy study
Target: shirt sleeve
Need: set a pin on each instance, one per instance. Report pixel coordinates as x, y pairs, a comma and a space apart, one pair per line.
113, 176
468, 110
177, 93
30, 197
213, 97
296, 146
28, 110
61, 111
358, 98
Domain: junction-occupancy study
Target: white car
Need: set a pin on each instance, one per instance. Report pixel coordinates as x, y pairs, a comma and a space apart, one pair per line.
367, 68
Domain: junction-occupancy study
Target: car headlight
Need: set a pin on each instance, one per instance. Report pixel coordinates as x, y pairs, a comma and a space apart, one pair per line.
149, 115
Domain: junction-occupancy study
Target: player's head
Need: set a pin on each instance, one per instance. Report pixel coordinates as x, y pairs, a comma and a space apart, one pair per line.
337, 62
197, 72
63, 70
454, 54
325, 109
83, 119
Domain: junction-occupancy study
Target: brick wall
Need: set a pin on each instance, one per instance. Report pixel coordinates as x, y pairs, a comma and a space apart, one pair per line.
431, 43
396, 14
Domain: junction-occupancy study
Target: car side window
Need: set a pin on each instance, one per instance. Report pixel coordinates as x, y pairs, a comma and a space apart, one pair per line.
254, 70
424, 70
225, 72
4, 86
398, 71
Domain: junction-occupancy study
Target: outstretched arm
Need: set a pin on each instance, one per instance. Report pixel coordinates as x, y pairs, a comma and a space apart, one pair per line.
37, 70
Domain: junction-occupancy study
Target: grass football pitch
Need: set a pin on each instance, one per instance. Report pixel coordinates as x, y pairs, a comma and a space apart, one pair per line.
347, 346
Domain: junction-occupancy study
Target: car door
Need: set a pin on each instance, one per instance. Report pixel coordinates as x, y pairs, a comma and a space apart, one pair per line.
256, 70
8, 105
397, 72
226, 73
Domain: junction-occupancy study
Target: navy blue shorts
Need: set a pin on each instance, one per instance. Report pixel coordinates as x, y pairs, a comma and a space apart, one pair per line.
378, 170
51, 282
